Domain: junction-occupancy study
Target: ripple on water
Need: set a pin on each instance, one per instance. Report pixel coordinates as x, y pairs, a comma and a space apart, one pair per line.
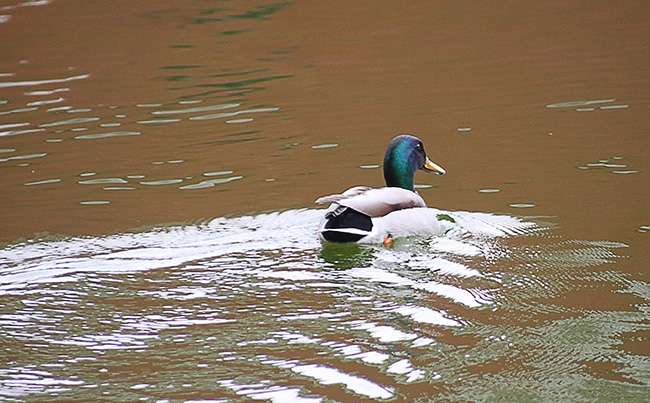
584, 106
23, 157
103, 181
66, 122
94, 202
210, 183
162, 182
42, 82
13, 125
572, 104
324, 146
106, 135
256, 305
232, 114
522, 205
616, 166
218, 173
198, 109
43, 182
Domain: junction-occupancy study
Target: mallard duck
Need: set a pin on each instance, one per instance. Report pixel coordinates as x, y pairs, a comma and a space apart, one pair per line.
363, 214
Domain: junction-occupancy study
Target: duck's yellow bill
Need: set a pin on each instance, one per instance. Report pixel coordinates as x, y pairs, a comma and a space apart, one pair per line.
430, 166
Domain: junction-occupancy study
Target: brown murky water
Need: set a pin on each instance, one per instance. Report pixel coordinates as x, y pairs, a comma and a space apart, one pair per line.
147, 148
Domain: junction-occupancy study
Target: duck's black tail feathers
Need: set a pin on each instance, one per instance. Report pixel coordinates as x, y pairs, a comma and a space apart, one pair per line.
346, 225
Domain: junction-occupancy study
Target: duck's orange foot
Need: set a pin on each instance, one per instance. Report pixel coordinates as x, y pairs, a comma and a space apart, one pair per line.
388, 242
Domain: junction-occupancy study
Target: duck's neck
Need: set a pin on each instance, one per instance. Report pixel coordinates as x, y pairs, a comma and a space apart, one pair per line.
397, 175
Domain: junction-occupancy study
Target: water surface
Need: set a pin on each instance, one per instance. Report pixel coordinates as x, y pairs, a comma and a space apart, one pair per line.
159, 164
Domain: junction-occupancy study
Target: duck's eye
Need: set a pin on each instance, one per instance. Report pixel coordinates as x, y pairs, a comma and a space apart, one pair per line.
418, 146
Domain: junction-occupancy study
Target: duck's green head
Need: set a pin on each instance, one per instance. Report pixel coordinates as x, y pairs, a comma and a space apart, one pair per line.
404, 156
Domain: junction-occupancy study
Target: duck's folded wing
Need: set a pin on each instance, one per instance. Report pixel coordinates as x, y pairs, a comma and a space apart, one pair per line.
376, 202
335, 198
